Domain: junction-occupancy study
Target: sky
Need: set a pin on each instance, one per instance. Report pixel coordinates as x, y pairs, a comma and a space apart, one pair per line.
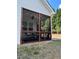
55, 4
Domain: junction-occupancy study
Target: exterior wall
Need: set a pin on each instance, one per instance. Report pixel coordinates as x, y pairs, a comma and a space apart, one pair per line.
34, 5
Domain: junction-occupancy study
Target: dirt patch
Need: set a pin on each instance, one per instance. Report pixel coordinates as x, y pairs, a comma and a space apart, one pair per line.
56, 36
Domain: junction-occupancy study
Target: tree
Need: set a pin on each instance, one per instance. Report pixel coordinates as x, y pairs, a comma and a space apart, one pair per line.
56, 21
45, 24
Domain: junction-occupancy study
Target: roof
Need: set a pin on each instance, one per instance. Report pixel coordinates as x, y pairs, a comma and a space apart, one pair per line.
48, 6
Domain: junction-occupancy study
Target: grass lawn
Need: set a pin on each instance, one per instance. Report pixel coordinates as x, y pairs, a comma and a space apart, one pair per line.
51, 50
55, 43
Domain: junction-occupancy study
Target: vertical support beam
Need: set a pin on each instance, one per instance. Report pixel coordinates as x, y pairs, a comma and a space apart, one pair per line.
51, 26
39, 27
21, 26
49, 33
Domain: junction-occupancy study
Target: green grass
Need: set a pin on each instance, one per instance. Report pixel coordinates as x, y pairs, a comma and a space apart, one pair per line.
55, 43
50, 50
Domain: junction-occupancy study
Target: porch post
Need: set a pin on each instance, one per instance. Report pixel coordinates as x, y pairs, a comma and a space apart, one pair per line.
21, 42
51, 26
39, 27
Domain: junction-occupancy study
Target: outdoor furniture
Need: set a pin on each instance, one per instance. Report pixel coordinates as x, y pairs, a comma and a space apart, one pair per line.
30, 37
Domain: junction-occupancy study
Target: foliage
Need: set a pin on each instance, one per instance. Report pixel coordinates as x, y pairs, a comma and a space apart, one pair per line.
56, 21
45, 24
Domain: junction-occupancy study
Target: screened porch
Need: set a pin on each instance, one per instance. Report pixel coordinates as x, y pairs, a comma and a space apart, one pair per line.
34, 26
